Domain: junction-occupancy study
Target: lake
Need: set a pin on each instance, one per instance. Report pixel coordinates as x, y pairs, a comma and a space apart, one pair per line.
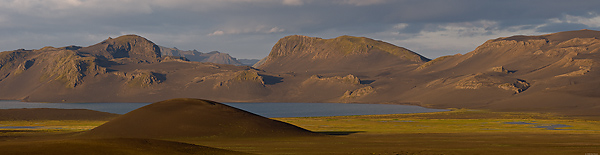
264, 109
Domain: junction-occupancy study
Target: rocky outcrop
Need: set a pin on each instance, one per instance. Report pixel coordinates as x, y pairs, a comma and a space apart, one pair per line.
517, 86
488, 80
500, 69
141, 78
584, 65
358, 93
24, 66
348, 79
12, 62
228, 79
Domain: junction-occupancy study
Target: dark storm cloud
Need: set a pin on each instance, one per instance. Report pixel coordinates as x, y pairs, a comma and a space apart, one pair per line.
248, 28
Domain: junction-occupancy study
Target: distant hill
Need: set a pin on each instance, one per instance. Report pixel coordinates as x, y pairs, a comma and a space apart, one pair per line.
248, 62
178, 118
194, 55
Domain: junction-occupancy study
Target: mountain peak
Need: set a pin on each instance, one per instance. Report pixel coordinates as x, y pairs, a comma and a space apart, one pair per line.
127, 46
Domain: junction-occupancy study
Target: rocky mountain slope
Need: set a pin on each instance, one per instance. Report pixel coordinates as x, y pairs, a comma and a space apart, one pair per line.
550, 73
555, 72
128, 68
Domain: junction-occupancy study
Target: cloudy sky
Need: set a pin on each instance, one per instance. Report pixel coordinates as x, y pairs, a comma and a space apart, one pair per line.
249, 28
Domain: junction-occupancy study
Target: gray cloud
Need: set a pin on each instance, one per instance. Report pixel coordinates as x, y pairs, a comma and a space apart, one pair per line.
248, 28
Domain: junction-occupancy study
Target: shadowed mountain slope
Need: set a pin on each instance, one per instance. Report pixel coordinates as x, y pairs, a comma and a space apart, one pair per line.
193, 118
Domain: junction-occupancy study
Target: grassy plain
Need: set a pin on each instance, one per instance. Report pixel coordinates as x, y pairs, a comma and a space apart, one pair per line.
454, 132
456, 121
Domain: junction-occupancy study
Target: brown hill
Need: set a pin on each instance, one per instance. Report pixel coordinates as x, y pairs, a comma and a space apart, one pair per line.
221, 58
54, 114
193, 118
346, 53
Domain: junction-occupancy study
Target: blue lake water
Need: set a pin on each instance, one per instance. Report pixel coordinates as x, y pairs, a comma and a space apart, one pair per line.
263, 109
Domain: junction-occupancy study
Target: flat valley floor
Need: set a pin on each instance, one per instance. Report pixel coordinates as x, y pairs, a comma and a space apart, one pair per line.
460, 131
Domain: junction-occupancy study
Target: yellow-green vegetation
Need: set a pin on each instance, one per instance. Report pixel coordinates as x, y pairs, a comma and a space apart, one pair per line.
55, 125
36, 128
456, 121
459, 131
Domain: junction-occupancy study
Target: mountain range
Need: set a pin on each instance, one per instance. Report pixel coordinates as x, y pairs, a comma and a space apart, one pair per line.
546, 73
213, 57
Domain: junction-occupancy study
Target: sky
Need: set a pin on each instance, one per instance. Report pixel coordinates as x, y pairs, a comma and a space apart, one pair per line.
249, 28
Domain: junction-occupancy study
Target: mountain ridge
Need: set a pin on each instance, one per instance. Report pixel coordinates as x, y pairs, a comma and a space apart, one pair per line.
503, 74
336, 53
194, 55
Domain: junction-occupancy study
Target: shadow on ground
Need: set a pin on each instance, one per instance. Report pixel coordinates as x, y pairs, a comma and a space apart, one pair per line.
338, 133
